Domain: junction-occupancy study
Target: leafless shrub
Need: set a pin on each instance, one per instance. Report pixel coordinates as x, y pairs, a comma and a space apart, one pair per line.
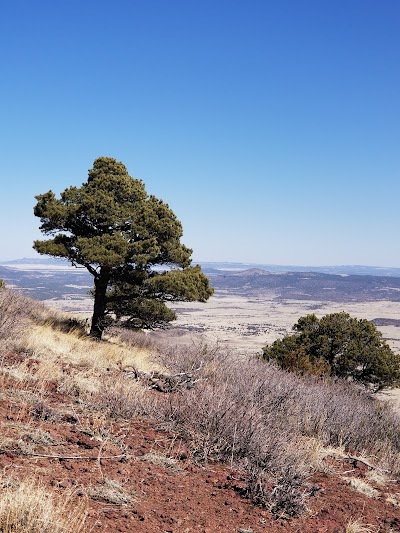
15, 311
41, 411
119, 398
259, 485
198, 357
134, 338
340, 414
224, 418
253, 414
288, 493
12, 314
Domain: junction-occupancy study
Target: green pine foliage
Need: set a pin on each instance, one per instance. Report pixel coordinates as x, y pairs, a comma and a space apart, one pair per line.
111, 226
337, 345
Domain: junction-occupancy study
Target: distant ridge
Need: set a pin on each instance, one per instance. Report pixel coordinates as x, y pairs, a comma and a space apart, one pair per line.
360, 270
251, 272
311, 286
36, 261
220, 267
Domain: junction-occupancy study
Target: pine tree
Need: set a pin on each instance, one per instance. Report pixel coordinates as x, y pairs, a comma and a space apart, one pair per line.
128, 241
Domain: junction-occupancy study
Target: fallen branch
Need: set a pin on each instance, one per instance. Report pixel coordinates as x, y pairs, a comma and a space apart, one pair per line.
164, 382
77, 457
366, 463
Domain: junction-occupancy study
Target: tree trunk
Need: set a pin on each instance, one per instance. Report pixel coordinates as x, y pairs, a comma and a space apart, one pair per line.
99, 308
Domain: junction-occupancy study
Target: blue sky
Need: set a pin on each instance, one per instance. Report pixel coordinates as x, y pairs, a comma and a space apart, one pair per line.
271, 128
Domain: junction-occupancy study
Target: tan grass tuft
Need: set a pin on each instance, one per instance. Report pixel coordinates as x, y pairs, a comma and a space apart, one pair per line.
159, 459
29, 508
110, 491
356, 526
315, 453
394, 499
362, 486
375, 476
80, 383
47, 344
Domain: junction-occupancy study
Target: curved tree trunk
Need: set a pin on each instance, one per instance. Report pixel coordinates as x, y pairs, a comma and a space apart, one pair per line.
100, 301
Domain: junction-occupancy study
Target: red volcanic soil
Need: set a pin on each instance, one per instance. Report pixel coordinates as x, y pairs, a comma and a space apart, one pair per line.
169, 492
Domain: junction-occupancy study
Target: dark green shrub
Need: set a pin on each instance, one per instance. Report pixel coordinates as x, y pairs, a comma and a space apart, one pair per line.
339, 345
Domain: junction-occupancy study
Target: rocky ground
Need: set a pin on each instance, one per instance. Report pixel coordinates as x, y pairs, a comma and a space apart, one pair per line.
133, 476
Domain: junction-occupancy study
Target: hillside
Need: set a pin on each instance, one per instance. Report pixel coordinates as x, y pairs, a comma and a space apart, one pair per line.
93, 438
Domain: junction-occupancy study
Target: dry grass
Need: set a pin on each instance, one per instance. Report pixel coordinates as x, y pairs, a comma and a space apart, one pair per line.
362, 486
315, 453
160, 460
15, 374
110, 491
355, 525
30, 328
80, 383
82, 368
377, 477
33, 434
25, 439
394, 499
100, 427
29, 508
51, 345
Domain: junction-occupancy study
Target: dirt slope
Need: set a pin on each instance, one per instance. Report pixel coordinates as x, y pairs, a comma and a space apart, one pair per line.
136, 477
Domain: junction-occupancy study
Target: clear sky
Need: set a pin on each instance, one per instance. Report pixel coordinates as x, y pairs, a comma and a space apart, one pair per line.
271, 127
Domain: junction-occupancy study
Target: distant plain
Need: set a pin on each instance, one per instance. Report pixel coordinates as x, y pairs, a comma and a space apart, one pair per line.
249, 309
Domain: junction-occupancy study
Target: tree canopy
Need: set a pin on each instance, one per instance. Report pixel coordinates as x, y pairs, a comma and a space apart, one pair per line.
128, 241
339, 345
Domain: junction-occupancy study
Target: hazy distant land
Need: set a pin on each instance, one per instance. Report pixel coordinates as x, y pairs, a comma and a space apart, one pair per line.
250, 308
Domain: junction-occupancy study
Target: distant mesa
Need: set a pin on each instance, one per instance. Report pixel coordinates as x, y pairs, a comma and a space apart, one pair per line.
252, 272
